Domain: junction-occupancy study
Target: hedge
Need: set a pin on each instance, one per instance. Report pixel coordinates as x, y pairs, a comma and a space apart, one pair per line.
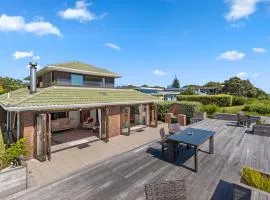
210, 109
260, 108
221, 100
187, 108
239, 100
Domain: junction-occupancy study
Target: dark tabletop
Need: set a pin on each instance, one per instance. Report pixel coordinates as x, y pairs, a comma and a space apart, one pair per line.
197, 137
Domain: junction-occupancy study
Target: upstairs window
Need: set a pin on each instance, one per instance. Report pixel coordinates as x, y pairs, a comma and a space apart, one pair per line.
76, 80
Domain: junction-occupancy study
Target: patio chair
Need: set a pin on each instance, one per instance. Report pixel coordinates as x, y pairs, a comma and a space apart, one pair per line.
174, 128
164, 143
241, 119
167, 190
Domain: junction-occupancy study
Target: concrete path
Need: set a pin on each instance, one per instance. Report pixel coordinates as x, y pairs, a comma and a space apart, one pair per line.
73, 159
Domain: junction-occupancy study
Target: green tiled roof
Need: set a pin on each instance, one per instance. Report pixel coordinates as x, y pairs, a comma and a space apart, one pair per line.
77, 67
70, 96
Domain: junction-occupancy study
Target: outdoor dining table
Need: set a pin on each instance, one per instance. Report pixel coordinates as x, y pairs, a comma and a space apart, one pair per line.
192, 137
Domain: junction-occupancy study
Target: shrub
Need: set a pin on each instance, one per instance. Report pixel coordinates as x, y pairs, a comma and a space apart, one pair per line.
222, 100
2, 149
12, 154
260, 108
238, 100
187, 108
256, 179
232, 110
209, 109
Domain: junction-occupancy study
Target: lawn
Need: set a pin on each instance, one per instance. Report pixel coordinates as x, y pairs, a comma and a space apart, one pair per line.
232, 109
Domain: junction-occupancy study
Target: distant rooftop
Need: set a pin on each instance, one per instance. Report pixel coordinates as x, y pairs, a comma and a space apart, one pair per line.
78, 67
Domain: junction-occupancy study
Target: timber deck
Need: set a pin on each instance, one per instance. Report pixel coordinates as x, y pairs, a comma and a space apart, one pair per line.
124, 176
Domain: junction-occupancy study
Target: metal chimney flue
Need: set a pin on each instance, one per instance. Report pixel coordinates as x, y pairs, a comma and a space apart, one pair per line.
33, 77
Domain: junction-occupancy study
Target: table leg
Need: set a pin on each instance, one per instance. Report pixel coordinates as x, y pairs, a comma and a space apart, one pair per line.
211, 145
196, 158
171, 151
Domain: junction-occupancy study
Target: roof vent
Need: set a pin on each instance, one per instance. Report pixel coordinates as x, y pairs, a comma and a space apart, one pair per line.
33, 77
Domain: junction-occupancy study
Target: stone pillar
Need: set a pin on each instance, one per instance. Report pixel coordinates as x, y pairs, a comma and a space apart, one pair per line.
182, 119
168, 118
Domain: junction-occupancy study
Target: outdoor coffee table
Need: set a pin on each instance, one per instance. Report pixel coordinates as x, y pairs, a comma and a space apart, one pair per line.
191, 137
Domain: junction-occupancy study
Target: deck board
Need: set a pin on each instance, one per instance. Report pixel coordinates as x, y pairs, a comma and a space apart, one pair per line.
124, 176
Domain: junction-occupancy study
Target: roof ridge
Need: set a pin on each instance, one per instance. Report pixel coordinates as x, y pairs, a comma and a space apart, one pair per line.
92, 88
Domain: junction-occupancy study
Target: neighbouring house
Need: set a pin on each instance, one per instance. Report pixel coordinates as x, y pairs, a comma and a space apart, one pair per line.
207, 90
169, 94
72, 103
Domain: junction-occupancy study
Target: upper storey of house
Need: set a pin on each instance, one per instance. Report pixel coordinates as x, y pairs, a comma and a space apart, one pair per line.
75, 74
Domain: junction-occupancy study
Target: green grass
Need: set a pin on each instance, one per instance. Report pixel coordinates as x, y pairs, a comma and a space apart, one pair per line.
256, 179
232, 109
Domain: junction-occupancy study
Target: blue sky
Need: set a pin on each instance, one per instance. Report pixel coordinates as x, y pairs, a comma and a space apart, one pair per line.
147, 41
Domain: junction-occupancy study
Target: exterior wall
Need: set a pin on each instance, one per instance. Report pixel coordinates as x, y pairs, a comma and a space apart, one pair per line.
64, 79
114, 121
76, 116
47, 79
28, 130
2, 118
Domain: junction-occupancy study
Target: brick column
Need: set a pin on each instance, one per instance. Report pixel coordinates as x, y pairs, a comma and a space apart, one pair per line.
182, 119
168, 118
28, 131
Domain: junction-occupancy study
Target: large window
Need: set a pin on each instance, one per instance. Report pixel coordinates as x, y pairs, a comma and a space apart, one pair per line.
76, 79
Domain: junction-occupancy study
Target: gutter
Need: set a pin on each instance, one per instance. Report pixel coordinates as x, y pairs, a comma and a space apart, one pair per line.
74, 106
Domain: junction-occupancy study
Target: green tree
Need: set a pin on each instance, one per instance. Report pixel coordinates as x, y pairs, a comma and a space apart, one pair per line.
189, 91
213, 84
175, 83
10, 84
238, 87
2, 90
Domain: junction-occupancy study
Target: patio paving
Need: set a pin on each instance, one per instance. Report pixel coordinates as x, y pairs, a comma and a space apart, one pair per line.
124, 176
72, 159
71, 135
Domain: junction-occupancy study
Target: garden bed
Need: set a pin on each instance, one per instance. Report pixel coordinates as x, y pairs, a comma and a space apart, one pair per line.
256, 179
262, 129
233, 117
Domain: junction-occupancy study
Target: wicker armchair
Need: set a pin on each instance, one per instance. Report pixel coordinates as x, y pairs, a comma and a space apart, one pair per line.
168, 190
174, 128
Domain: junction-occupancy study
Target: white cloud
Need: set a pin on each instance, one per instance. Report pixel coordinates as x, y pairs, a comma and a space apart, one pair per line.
22, 54
41, 28
231, 55
242, 75
259, 50
11, 23
36, 57
18, 24
241, 9
255, 75
245, 75
80, 12
113, 46
237, 25
159, 72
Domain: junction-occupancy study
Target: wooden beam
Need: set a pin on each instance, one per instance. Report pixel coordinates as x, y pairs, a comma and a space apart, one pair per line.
18, 125
107, 111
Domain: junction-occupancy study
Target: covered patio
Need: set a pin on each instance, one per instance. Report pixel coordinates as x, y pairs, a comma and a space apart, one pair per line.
70, 138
